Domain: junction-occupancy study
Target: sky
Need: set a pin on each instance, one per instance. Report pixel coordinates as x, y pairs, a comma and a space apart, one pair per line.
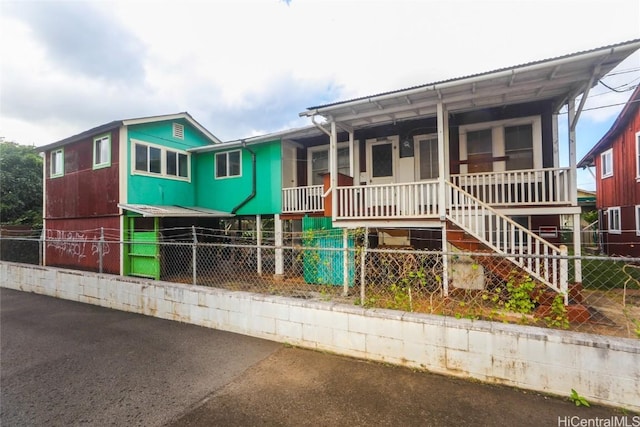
248, 67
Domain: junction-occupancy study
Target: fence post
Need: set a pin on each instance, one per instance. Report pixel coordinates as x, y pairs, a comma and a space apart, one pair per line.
41, 247
259, 244
564, 274
278, 243
445, 262
194, 256
100, 249
363, 259
345, 262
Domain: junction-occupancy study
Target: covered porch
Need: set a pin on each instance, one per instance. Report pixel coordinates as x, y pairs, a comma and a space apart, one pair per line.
532, 188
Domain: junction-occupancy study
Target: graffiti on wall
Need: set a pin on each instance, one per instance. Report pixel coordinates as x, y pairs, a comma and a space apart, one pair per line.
76, 244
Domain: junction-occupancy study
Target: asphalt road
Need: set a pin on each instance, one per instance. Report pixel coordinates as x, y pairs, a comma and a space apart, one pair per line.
68, 364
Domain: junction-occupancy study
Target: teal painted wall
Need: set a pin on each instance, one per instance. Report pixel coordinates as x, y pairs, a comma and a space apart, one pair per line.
227, 193
160, 190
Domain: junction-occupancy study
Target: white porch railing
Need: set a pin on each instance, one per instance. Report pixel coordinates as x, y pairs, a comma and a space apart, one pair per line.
503, 235
303, 199
388, 201
528, 187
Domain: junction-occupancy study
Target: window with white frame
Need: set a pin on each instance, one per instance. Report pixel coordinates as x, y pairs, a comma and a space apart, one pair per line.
102, 152
177, 164
502, 145
615, 226
427, 156
638, 155
150, 159
606, 163
229, 164
637, 220
57, 163
318, 158
518, 147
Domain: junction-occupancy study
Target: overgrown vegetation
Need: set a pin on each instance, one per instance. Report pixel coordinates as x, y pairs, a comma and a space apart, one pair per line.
20, 185
558, 318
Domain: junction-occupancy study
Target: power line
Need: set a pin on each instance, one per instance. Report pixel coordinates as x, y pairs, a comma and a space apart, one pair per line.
617, 90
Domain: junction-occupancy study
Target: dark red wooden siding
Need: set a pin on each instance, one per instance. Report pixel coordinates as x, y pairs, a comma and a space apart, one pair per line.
625, 243
73, 243
83, 192
621, 189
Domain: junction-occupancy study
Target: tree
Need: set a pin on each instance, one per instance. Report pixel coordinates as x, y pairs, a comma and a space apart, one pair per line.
20, 184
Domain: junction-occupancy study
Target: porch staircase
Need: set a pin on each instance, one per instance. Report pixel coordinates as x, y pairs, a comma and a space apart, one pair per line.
477, 227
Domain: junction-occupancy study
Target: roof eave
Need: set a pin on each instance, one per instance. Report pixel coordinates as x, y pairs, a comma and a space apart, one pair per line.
327, 109
82, 135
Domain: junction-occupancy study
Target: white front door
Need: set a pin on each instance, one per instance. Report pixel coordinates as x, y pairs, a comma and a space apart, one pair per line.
382, 160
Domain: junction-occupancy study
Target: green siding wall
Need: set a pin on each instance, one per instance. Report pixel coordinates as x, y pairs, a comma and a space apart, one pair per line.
155, 189
227, 193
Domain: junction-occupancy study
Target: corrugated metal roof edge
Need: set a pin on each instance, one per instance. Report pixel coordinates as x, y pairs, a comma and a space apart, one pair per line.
80, 136
148, 210
485, 73
301, 131
117, 123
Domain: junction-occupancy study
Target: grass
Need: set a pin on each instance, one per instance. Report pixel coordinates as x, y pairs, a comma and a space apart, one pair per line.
606, 274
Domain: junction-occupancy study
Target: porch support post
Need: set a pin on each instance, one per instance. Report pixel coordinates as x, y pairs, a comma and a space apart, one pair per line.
577, 248
352, 166
333, 169
345, 262
573, 193
277, 224
443, 176
259, 244
445, 262
556, 141
443, 167
573, 188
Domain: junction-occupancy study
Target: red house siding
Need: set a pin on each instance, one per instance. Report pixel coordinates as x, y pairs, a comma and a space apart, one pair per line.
621, 190
73, 243
79, 204
82, 191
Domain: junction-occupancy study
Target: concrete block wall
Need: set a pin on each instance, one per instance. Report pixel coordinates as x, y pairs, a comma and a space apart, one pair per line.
602, 369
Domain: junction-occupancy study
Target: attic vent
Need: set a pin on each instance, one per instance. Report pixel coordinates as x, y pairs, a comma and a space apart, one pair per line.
178, 131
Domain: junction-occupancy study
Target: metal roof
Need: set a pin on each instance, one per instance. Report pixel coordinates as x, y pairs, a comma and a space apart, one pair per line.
556, 79
173, 211
126, 122
302, 132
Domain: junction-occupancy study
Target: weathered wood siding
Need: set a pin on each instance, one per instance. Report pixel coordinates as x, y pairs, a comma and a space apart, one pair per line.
74, 243
80, 203
621, 189
82, 191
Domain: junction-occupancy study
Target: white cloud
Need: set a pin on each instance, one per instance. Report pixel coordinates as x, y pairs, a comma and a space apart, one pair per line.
242, 67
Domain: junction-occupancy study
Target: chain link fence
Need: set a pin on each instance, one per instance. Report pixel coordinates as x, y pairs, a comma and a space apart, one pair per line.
339, 266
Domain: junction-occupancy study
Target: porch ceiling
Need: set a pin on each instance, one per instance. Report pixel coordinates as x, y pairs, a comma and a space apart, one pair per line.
556, 79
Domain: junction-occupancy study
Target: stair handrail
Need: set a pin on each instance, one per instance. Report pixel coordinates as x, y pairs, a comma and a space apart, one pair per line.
562, 287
